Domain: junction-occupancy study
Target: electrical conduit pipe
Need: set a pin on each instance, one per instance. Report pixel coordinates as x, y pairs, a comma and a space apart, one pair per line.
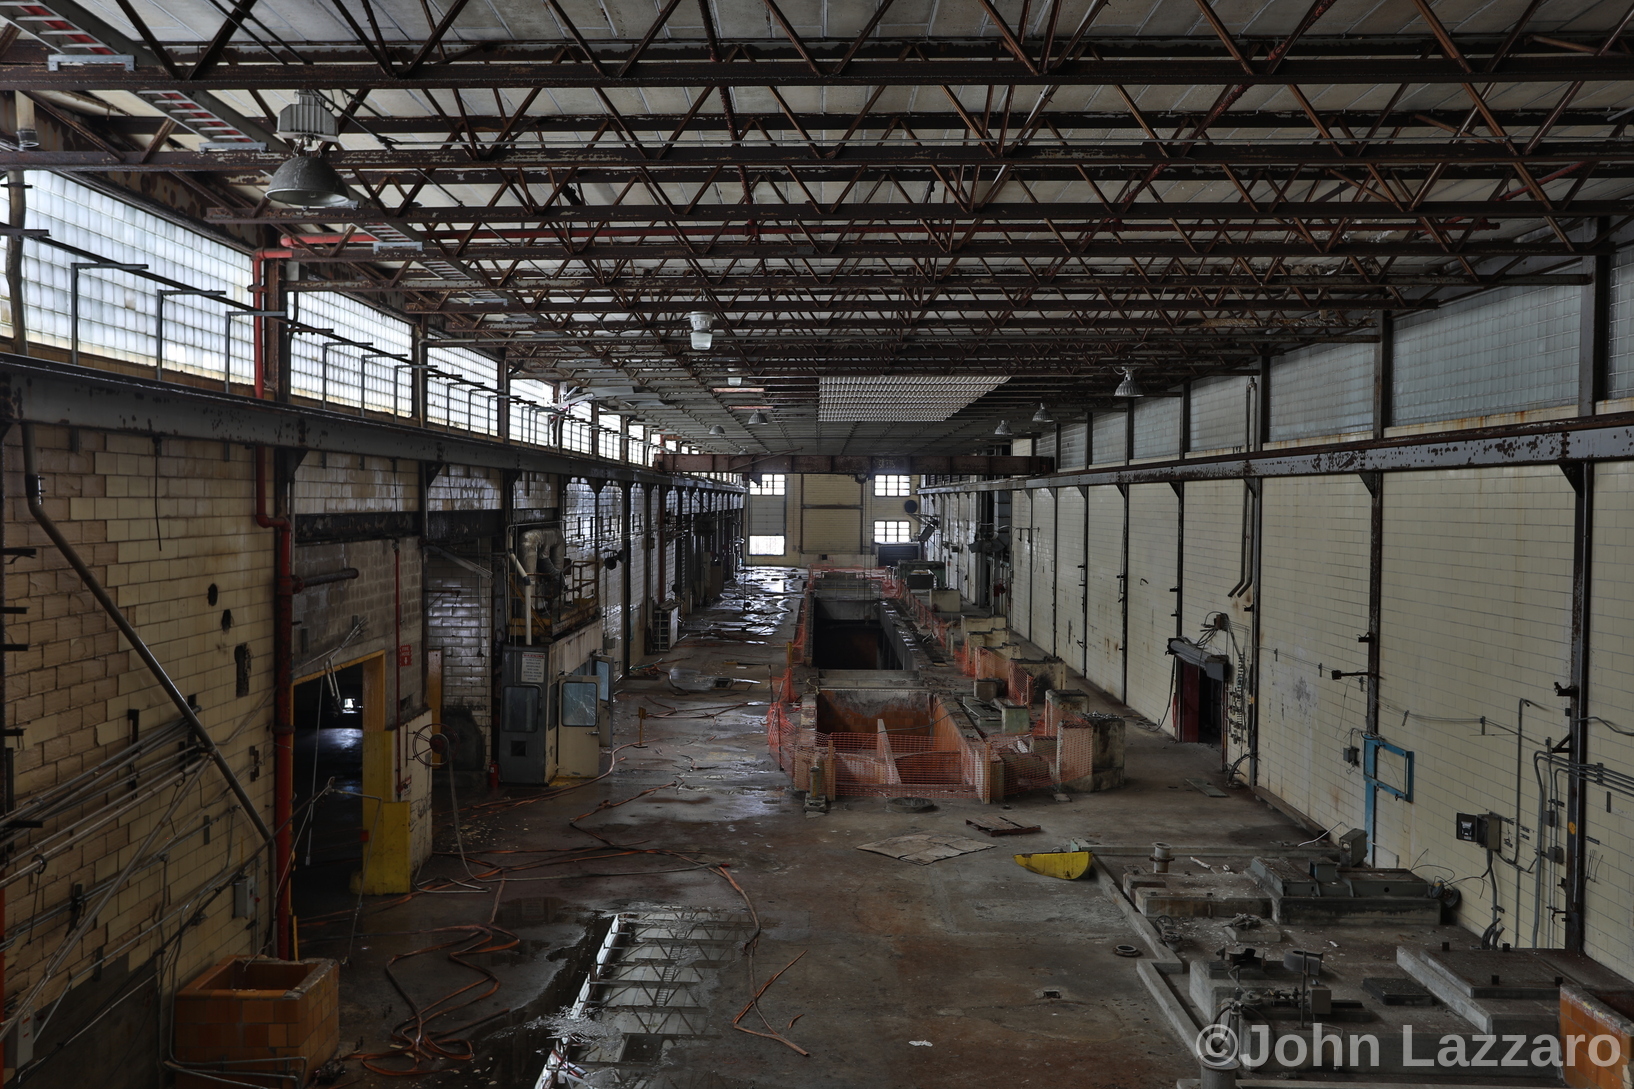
283, 706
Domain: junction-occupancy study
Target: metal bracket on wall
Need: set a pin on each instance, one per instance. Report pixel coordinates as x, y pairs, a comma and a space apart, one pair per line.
1370, 776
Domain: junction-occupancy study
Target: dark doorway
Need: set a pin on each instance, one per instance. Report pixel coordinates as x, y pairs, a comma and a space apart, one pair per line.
1199, 705
328, 750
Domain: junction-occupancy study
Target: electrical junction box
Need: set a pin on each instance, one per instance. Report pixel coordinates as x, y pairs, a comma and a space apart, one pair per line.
1485, 829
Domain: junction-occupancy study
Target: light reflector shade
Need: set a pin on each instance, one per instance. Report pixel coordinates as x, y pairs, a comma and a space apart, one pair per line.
307, 182
1003, 429
717, 430
899, 398
756, 418
1042, 416
1128, 387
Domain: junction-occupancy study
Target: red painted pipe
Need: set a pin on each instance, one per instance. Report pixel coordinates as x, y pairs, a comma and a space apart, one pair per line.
283, 705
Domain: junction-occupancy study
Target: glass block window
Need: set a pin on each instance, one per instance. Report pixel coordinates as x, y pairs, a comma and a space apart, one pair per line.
118, 309
769, 484
767, 546
530, 411
894, 532
608, 436
893, 486
346, 375
462, 390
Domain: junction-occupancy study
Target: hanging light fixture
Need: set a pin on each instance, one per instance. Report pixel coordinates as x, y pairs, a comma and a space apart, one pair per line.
307, 180
1042, 416
1128, 387
1002, 431
703, 334
307, 120
734, 379
756, 418
717, 431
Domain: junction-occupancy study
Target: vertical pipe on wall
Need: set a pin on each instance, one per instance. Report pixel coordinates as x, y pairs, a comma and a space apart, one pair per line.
624, 627
1123, 594
17, 217
17, 187
1594, 334
1257, 438
1374, 483
1384, 372
283, 702
1581, 476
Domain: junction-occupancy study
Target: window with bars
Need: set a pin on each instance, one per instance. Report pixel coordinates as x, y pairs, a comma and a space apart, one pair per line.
893, 532
769, 484
886, 486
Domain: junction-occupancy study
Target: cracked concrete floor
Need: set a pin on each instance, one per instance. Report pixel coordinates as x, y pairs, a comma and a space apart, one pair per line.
967, 972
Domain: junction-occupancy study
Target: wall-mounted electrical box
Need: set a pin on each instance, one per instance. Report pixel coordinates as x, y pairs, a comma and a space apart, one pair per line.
245, 897
1485, 829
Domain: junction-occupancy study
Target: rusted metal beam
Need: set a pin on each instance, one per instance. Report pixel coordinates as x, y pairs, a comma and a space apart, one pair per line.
1349, 68
781, 250
1063, 214
893, 155
58, 394
853, 464
1435, 121
688, 283
1598, 438
795, 308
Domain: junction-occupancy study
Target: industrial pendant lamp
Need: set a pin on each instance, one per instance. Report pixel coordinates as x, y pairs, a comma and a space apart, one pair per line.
756, 418
1128, 387
307, 181
1002, 431
1042, 416
717, 431
702, 330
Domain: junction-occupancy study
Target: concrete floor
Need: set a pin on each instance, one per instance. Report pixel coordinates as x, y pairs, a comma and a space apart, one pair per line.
967, 972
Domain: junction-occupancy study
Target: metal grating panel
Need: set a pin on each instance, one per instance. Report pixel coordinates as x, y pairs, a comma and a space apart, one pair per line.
1501, 351
1157, 427
1219, 413
1322, 391
1620, 379
767, 517
1074, 445
1109, 432
896, 398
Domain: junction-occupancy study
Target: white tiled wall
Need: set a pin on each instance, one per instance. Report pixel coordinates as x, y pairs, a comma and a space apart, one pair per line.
1610, 908
1103, 654
1313, 604
1019, 608
1477, 615
1069, 577
1152, 552
1041, 590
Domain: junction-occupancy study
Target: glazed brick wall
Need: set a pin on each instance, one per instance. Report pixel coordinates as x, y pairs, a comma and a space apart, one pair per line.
70, 691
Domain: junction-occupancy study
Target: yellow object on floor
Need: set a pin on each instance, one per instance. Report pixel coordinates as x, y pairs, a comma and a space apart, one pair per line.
1067, 865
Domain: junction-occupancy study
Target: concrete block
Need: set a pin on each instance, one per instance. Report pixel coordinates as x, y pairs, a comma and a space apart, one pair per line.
1014, 718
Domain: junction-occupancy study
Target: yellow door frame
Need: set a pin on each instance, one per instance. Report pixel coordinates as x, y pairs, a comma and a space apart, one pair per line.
387, 860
